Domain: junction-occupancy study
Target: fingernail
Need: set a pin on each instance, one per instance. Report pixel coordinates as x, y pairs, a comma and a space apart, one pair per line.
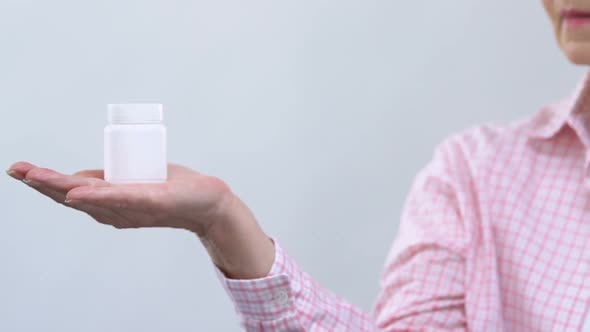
71, 202
30, 182
10, 172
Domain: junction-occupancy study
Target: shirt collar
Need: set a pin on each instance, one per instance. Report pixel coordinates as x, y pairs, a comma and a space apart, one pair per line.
552, 118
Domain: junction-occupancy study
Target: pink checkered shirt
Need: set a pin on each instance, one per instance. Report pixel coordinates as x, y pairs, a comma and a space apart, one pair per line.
494, 236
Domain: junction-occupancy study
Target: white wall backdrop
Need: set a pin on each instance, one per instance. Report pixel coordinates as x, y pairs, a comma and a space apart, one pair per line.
317, 112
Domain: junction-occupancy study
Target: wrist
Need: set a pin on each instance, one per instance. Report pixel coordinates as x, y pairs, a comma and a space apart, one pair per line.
236, 243
221, 209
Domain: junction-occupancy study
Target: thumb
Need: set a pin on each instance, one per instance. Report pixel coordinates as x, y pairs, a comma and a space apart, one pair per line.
91, 173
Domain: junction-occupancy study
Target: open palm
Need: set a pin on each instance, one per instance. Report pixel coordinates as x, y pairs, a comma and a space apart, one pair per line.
188, 199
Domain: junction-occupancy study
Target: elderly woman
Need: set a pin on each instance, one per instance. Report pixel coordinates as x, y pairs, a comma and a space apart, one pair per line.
494, 236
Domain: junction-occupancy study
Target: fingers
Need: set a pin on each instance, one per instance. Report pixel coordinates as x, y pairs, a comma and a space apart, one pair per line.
20, 169
54, 195
43, 177
50, 179
127, 197
53, 184
128, 206
56, 185
102, 215
91, 173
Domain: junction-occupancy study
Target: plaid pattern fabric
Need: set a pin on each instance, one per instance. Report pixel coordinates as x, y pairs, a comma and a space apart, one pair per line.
494, 236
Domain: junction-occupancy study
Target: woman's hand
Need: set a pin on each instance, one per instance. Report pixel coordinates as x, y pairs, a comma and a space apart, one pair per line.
189, 200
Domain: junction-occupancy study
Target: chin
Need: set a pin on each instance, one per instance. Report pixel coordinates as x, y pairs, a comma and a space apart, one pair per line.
577, 53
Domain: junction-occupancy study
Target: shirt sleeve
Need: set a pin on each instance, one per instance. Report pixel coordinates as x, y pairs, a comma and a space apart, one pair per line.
423, 282
288, 299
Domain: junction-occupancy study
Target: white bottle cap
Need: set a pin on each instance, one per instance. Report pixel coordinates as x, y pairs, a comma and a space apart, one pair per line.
135, 113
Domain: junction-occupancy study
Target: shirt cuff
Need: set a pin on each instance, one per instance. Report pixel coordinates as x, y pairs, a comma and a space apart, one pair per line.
265, 299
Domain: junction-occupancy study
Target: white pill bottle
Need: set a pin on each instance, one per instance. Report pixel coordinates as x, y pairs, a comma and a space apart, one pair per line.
135, 144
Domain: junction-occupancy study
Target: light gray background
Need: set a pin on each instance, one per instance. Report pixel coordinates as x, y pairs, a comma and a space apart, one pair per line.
318, 114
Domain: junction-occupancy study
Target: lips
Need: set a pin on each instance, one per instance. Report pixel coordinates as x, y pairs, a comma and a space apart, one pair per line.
575, 17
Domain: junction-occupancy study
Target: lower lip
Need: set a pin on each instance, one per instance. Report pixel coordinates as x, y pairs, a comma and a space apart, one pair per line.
576, 22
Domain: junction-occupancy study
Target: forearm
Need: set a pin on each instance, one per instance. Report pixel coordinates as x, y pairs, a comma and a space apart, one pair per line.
236, 243
272, 293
